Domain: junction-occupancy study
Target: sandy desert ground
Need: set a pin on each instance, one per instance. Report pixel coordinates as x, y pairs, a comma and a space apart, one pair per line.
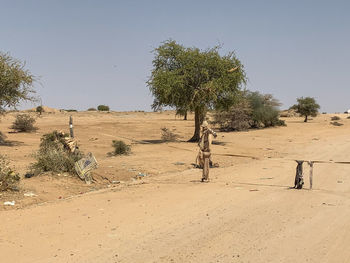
246, 213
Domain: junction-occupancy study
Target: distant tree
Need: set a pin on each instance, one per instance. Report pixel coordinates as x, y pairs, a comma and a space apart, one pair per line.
190, 79
182, 112
16, 83
40, 110
103, 108
306, 107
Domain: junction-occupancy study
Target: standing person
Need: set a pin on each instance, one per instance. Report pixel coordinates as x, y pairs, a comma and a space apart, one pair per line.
204, 145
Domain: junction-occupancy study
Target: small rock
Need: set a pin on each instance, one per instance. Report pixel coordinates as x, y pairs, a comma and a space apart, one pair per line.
28, 175
30, 194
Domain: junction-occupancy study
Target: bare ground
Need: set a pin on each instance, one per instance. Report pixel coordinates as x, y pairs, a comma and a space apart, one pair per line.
247, 213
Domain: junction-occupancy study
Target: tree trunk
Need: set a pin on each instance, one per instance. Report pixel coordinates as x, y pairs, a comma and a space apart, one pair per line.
199, 115
185, 116
305, 119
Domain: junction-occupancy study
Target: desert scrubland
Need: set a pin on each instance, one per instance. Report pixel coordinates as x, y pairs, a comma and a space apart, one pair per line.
246, 213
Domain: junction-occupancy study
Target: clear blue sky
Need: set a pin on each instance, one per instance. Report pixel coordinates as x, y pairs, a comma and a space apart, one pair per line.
99, 52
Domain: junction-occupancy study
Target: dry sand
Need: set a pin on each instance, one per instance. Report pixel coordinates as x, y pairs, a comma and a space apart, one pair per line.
247, 213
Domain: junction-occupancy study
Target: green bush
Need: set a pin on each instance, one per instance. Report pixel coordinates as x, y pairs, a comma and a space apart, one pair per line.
92, 109
265, 111
8, 178
24, 123
120, 148
253, 110
54, 154
103, 108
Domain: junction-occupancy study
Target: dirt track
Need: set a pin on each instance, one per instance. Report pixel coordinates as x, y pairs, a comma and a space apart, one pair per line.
247, 213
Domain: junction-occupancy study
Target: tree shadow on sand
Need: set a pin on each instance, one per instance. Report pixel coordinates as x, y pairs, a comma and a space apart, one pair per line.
157, 141
7, 143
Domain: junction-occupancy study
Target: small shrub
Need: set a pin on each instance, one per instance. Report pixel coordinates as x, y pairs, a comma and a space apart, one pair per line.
71, 110
120, 148
348, 117
24, 123
54, 154
103, 108
8, 178
168, 136
92, 109
335, 118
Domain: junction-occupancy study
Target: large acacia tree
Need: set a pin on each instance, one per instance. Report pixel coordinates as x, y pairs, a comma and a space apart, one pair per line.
16, 83
190, 79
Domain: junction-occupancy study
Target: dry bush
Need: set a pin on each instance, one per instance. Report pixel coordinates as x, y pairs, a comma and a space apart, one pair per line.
335, 118
92, 109
237, 118
254, 110
54, 155
120, 148
168, 136
335, 123
8, 178
24, 123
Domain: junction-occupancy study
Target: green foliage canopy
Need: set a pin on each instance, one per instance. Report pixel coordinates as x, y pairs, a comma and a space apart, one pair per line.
189, 79
16, 83
306, 107
103, 108
264, 109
